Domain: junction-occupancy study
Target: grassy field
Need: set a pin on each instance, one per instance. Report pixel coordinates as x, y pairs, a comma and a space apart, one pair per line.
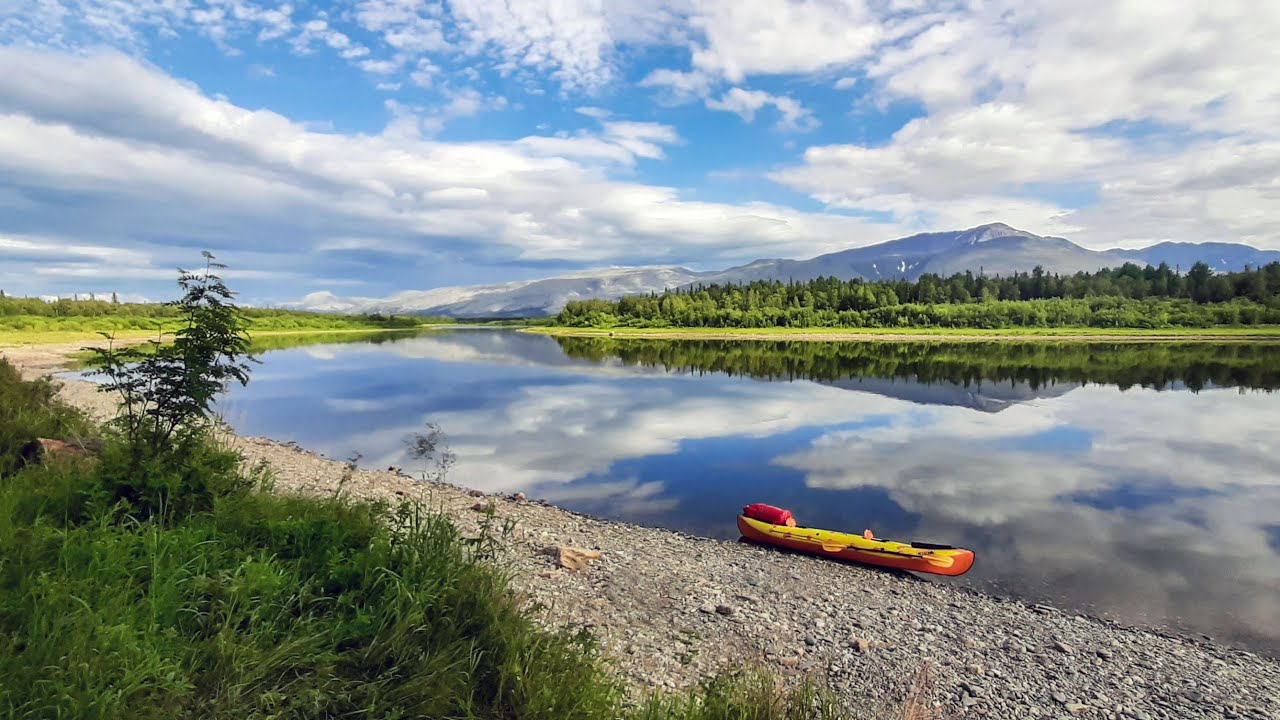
1265, 332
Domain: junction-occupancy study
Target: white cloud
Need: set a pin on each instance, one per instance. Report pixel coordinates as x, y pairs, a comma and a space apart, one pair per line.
408, 26
598, 113
782, 36
745, 103
378, 67
568, 38
678, 86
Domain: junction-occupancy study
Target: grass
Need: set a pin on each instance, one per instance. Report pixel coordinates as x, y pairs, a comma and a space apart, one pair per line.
175, 585
272, 338
832, 333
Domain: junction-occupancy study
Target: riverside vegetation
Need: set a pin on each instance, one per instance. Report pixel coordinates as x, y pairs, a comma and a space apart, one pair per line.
1038, 364
1125, 297
158, 577
27, 320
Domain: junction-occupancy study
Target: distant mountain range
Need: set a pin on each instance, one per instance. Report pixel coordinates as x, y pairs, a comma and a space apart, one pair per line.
994, 249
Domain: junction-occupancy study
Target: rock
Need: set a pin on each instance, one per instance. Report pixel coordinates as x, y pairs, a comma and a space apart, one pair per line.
476, 493
969, 643
1059, 698
810, 640
708, 608
571, 558
45, 449
1077, 708
725, 609
481, 507
969, 701
1104, 654
862, 645
518, 497
975, 670
1063, 647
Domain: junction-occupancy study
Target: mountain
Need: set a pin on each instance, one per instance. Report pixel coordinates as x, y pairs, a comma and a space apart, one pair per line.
525, 298
994, 249
1220, 256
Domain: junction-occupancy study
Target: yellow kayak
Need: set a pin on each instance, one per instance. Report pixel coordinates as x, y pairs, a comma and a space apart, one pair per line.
920, 557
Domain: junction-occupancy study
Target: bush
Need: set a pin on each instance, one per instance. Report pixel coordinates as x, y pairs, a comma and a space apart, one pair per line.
28, 411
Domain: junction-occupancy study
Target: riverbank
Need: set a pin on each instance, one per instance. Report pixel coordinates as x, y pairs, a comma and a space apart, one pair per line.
670, 609
10, 339
1233, 334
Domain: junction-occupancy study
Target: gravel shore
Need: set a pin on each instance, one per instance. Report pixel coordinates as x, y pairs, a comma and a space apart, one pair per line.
670, 609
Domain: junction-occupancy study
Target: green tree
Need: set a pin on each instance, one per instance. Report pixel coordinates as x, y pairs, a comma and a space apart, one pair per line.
170, 387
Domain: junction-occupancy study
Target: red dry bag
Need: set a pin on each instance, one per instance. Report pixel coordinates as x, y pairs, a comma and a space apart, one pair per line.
769, 514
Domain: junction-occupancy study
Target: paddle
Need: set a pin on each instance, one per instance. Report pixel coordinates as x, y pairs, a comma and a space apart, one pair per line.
939, 561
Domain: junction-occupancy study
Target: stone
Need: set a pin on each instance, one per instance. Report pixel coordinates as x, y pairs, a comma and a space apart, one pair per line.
482, 507
1059, 698
518, 497
810, 640
862, 645
708, 608
1063, 647
476, 493
975, 670
725, 609
571, 558
45, 449
969, 642
1077, 708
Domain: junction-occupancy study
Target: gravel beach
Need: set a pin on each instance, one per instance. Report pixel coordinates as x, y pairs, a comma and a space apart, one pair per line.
670, 609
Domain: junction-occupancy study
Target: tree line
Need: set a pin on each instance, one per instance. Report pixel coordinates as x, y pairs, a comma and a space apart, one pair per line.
1128, 296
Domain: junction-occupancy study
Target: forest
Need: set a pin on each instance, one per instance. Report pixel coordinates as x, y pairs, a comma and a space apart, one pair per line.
1126, 297
1195, 366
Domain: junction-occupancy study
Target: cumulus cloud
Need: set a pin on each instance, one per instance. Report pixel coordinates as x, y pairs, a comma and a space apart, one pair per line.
745, 103
168, 165
1156, 125
1159, 135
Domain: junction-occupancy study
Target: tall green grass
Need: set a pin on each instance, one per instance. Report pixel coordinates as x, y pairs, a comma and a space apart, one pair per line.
178, 588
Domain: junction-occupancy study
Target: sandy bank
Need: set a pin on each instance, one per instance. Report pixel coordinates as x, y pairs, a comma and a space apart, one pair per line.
670, 609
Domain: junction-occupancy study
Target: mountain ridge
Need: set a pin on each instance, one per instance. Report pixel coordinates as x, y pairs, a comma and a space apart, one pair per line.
993, 249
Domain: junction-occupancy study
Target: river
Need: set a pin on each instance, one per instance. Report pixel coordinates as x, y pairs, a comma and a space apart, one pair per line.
1136, 482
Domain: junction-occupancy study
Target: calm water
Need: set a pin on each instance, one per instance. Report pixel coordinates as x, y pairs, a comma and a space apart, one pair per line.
1137, 482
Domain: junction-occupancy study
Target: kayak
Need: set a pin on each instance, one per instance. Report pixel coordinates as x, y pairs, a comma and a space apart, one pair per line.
916, 556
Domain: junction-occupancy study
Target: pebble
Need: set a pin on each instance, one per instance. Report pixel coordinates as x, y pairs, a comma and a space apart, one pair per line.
1063, 647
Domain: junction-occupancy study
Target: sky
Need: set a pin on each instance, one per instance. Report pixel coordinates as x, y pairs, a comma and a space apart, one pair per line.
373, 146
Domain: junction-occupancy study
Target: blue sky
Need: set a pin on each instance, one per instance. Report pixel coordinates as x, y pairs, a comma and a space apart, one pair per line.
373, 146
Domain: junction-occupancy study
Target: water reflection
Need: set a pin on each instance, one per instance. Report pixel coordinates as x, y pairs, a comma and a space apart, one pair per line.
1155, 504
